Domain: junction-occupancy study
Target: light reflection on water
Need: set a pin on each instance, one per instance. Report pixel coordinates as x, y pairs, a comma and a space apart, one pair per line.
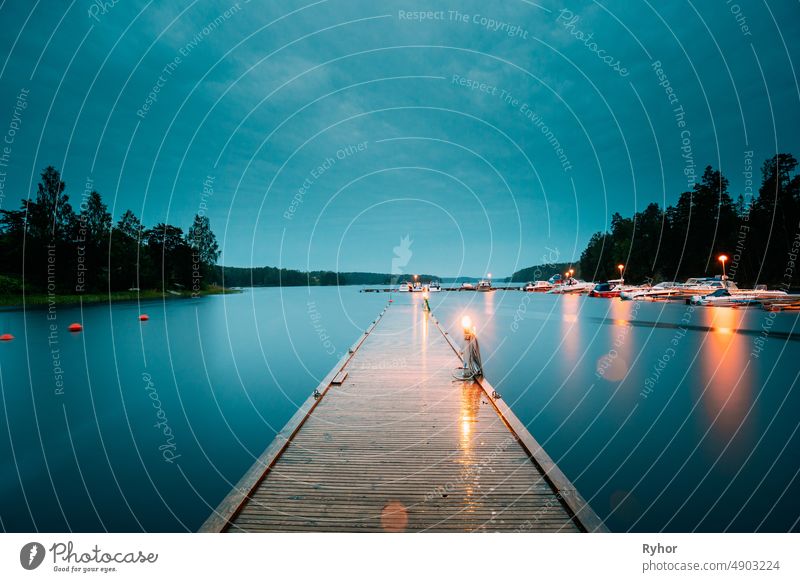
707, 449
709, 446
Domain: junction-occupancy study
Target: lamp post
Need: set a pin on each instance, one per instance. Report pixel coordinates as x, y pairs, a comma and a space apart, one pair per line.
425, 305
621, 268
722, 259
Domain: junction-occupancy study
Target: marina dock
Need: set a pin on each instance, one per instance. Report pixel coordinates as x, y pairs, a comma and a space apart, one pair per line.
390, 441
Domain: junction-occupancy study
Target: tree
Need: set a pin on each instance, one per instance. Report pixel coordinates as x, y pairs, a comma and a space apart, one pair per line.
91, 243
202, 241
12, 238
95, 219
775, 218
170, 255
50, 216
127, 261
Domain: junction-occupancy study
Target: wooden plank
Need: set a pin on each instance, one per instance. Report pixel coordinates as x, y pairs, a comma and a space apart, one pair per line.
579, 507
394, 444
230, 505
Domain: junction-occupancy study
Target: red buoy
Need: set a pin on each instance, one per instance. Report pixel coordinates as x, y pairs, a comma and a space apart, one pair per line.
144, 317
6, 337
75, 327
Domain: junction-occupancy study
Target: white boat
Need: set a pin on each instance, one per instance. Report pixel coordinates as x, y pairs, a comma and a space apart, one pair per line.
434, 286
760, 291
611, 288
484, 285
404, 287
572, 286
724, 298
700, 286
467, 286
537, 287
417, 288
642, 291
672, 290
785, 303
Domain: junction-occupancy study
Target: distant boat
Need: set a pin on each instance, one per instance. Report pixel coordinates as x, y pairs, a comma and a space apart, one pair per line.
611, 288
537, 287
467, 286
434, 286
417, 288
724, 298
572, 286
404, 287
484, 285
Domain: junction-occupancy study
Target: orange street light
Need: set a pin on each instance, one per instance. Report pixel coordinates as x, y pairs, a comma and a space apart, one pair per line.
722, 259
621, 267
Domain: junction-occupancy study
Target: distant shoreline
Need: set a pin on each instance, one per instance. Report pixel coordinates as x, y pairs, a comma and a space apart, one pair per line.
38, 300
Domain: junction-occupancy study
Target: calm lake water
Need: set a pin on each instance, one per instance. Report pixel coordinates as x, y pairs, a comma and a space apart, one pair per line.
664, 416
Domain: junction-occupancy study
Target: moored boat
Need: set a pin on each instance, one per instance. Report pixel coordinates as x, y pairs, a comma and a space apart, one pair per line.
537, 287
484, 285
611, 288
724, 298
572, 286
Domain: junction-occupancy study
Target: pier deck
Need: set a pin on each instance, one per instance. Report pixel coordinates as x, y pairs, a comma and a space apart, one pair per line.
396, 444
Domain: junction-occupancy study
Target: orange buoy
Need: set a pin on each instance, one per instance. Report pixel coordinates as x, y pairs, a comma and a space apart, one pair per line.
6, 337
75, 327
144, 317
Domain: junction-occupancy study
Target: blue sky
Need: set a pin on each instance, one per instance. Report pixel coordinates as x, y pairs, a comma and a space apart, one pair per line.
329, 130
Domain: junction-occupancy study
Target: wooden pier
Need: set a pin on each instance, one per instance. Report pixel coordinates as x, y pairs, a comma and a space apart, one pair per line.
389, 441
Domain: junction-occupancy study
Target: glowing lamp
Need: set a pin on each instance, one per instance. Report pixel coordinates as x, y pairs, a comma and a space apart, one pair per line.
722, 259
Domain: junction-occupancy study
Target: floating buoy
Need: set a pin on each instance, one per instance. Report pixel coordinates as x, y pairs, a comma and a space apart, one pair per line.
144, 317
75, 327
6, 337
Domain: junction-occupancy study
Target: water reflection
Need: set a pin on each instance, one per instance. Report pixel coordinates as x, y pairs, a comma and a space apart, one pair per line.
570, 330
727, 377
613, 365
470, 406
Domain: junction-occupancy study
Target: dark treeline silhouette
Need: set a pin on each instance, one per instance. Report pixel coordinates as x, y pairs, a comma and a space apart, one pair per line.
56, 248
760, 234
541, 272
273, 277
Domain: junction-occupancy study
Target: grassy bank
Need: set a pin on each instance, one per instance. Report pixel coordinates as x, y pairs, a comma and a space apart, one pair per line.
39, 299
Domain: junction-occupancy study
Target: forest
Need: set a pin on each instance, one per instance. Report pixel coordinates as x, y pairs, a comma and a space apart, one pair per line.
58, 249
55, 248
758, 232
